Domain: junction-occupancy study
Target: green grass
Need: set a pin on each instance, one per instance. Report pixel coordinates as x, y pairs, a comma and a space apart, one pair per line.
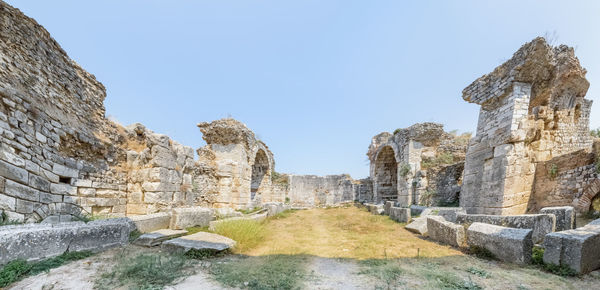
144, 271
537, 256
134, 235
19, 269
250, 210
246, 233
4, 221
384, 270
479, 272
447, 280
263, 272
193, 230
283, 214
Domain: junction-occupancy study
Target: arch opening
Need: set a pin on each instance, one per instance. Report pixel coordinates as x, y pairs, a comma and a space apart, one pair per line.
259, 172
386, 175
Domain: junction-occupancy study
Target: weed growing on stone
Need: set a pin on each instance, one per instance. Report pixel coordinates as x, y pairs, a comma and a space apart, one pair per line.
5, 221
134, 235
144, 271
19, 269
263, 272
246, 233
537, 256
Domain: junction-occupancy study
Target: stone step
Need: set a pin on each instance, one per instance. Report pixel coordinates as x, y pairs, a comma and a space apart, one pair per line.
156, 238
198, 241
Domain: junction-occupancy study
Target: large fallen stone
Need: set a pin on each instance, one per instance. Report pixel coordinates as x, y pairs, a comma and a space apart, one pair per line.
418, 226
565, 217
446, 232
448, 213
375, 208
274, 208
151, 222
507, 244
157, 237
541, 224
579, 249
255, 217
40, 241
198, 241
400, 214
190, 217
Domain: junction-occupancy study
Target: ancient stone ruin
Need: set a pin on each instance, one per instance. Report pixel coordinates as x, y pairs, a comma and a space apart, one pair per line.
531, 165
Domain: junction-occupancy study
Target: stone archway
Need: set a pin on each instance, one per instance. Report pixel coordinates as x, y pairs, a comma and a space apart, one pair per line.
260, 168
590, 193
386, 175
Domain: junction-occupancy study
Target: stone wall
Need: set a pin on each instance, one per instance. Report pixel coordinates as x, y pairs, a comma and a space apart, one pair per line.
311, 190
532, 110
425, 168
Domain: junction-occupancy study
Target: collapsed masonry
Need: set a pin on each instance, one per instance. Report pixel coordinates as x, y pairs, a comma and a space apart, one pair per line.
421, 164
533, 114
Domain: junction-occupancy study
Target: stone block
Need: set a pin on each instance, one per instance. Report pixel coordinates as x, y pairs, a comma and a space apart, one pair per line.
7, 202
274, 208
445, 232
387, 206
21, 191
418, 226
565, 217
63, 188
38, 182
189, 217
579, 249
507, 244
541, 224
39, 241
255, 217
198, 241
151, 222
64, 171
448, 213
156, 238
158, 197
11, 172
400, 214
374, 208
416, 210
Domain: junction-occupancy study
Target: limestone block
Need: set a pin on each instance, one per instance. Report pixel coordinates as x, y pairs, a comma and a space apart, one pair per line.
63, 188
446, 232
274, 208
189, 217
62, 170
198, 241
418, 226
156, 238
21, 191
227, 212
375, 208
163, 157
38, 182
7, 202
507, 244
158, 197
12, 172
565, 217
387, 206
448, 213
579, 248
541, 224
151, 222
38, 241
400, 214
89, 192
255, 217
416, 210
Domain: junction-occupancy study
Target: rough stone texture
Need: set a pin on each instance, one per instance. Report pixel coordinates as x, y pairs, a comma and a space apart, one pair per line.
417, 165
375, 208
565, 217
448, 213
312, 190
156, 238
446, 232
40, 241
400, 214
198, 241
254, 217
507, 244
578, 249
541, 224
182, 218
418, 226
151, 222
387, 206
274, 208
533, 108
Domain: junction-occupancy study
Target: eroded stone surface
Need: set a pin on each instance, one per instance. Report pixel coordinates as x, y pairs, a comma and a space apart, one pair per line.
446, 232
190, 217
151, 222
507, 244
156, 238
198, 241
579, 249
541, 224
565, 217
400, 214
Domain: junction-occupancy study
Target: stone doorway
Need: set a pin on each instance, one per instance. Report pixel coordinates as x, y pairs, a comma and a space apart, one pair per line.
259, 170
386, 175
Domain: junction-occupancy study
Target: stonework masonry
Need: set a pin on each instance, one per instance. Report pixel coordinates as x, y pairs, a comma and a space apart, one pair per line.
532, 110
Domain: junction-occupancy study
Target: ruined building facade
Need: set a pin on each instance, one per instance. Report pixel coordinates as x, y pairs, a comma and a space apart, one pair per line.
533, 110
421, 164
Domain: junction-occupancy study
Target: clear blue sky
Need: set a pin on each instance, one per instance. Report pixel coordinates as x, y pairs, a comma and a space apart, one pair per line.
315, 80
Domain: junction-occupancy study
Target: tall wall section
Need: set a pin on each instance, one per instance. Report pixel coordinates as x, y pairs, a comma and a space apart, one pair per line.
421, 164
532, 110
